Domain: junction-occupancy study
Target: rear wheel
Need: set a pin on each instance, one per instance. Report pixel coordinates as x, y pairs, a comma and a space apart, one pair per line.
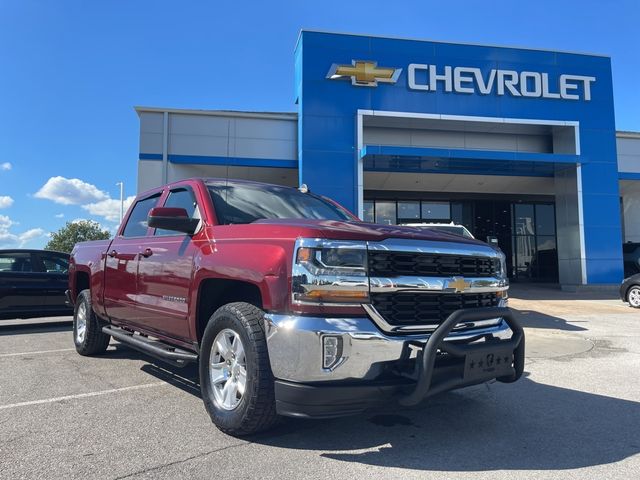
235, 375
633, 296
87, 331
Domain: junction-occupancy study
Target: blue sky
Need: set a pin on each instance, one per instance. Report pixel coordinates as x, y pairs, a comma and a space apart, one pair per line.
71, 72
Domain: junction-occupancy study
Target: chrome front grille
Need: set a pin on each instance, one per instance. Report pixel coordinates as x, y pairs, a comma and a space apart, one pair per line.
395, 263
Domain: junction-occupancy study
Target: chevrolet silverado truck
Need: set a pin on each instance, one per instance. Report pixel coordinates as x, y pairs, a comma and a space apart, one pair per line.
292, 306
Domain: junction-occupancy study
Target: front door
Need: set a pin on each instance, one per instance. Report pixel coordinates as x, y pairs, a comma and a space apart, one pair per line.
121, 267
165, 272
22, 285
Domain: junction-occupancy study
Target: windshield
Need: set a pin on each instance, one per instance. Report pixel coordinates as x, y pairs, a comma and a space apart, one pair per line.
451, 229
246, 203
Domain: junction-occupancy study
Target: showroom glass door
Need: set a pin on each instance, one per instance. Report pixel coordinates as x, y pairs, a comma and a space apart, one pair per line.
534, 251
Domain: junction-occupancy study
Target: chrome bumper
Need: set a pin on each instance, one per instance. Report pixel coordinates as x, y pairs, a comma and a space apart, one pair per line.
295, 346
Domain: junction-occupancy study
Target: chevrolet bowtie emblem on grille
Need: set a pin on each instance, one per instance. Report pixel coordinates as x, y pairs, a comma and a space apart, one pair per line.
458, 284
364, 73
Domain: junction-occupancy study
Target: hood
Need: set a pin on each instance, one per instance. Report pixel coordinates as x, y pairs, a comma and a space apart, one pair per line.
344, 230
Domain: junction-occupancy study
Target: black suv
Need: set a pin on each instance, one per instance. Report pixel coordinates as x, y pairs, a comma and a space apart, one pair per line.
631, 255
32, 283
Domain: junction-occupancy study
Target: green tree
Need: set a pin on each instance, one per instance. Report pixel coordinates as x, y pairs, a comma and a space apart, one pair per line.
73, 232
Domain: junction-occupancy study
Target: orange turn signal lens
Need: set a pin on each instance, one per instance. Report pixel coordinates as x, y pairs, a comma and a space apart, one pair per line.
336, 296
304, 254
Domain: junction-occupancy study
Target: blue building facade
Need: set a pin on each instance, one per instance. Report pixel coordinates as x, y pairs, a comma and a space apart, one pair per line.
450, 84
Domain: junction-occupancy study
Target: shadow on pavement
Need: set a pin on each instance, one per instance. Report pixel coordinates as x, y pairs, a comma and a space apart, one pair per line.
30, 328
524, 426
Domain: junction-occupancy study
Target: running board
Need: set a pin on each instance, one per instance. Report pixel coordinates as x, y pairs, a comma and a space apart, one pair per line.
155, 348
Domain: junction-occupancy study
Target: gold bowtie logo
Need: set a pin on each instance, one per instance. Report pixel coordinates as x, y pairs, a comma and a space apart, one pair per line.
459, 284
364, 73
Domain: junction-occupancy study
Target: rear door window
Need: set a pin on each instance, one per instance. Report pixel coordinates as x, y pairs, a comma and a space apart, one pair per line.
16, 262
137, 224
54, 262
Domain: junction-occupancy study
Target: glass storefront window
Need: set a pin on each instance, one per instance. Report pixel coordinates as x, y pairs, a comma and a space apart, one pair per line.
547, 258
367, 212
436, 211
524, 247
462, 214
523, 219
545, 220
386, 213
408, 211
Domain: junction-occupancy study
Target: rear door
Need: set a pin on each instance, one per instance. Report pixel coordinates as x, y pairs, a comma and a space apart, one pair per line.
165, 271
121, 265
55, 267
22, 287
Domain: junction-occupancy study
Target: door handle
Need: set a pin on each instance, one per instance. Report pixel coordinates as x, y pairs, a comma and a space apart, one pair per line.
147, 253
112, 253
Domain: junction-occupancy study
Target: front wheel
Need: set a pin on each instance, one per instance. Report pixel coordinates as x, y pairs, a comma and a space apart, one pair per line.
235, 374
633, 296
87, 331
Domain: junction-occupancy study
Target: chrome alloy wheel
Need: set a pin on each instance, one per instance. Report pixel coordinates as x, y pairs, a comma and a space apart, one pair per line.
227, 369
81, 323
634, 297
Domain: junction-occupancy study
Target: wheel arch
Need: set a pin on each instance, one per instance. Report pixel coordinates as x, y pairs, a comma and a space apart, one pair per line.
215, 292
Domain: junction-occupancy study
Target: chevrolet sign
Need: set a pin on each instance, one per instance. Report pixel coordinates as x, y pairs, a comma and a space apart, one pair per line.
516, 84
471, 80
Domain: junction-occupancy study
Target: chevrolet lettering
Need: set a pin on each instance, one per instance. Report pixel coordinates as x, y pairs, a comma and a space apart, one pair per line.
470, 80
517, 84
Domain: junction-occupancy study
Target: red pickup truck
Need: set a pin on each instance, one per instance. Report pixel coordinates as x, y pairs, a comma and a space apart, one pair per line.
291, 305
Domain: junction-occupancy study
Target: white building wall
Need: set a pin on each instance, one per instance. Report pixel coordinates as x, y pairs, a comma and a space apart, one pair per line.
628, 146
212, 138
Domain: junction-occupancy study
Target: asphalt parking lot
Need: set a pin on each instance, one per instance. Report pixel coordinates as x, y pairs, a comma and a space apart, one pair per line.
576, 414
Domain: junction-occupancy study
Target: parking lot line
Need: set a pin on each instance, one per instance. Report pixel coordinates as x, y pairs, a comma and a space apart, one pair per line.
82, 395
38, 352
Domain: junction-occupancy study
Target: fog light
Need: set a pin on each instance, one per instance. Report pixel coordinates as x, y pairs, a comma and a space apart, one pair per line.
331, 351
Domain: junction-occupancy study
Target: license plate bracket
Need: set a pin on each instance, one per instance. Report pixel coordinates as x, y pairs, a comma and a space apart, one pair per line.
488, 364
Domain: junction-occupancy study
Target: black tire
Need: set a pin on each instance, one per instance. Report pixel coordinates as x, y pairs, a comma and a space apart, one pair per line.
94, 341
256, 410
634, 290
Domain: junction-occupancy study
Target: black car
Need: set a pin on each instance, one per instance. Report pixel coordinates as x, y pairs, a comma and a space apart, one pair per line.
631, 253
630, 290
32, 283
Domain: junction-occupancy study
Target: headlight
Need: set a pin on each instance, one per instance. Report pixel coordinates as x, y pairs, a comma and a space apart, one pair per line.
330, 272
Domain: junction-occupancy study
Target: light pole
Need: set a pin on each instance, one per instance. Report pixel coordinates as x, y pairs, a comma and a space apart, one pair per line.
121, 200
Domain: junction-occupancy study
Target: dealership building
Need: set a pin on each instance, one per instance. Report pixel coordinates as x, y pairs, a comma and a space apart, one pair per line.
519, 145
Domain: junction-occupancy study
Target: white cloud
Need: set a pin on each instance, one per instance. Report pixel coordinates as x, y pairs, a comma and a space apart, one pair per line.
5, 201
59, 215
9, 239
109, 208
5, 166
5, 223
70, 191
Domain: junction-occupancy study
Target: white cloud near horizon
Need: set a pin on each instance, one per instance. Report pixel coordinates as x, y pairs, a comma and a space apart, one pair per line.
70, 191
9, 239
5, 201
109, 208
6, 166
73, 191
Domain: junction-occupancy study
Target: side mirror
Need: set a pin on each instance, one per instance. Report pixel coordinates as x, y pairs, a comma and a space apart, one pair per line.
175, 219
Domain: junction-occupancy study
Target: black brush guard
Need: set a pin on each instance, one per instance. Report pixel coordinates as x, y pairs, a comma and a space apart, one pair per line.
499, 359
